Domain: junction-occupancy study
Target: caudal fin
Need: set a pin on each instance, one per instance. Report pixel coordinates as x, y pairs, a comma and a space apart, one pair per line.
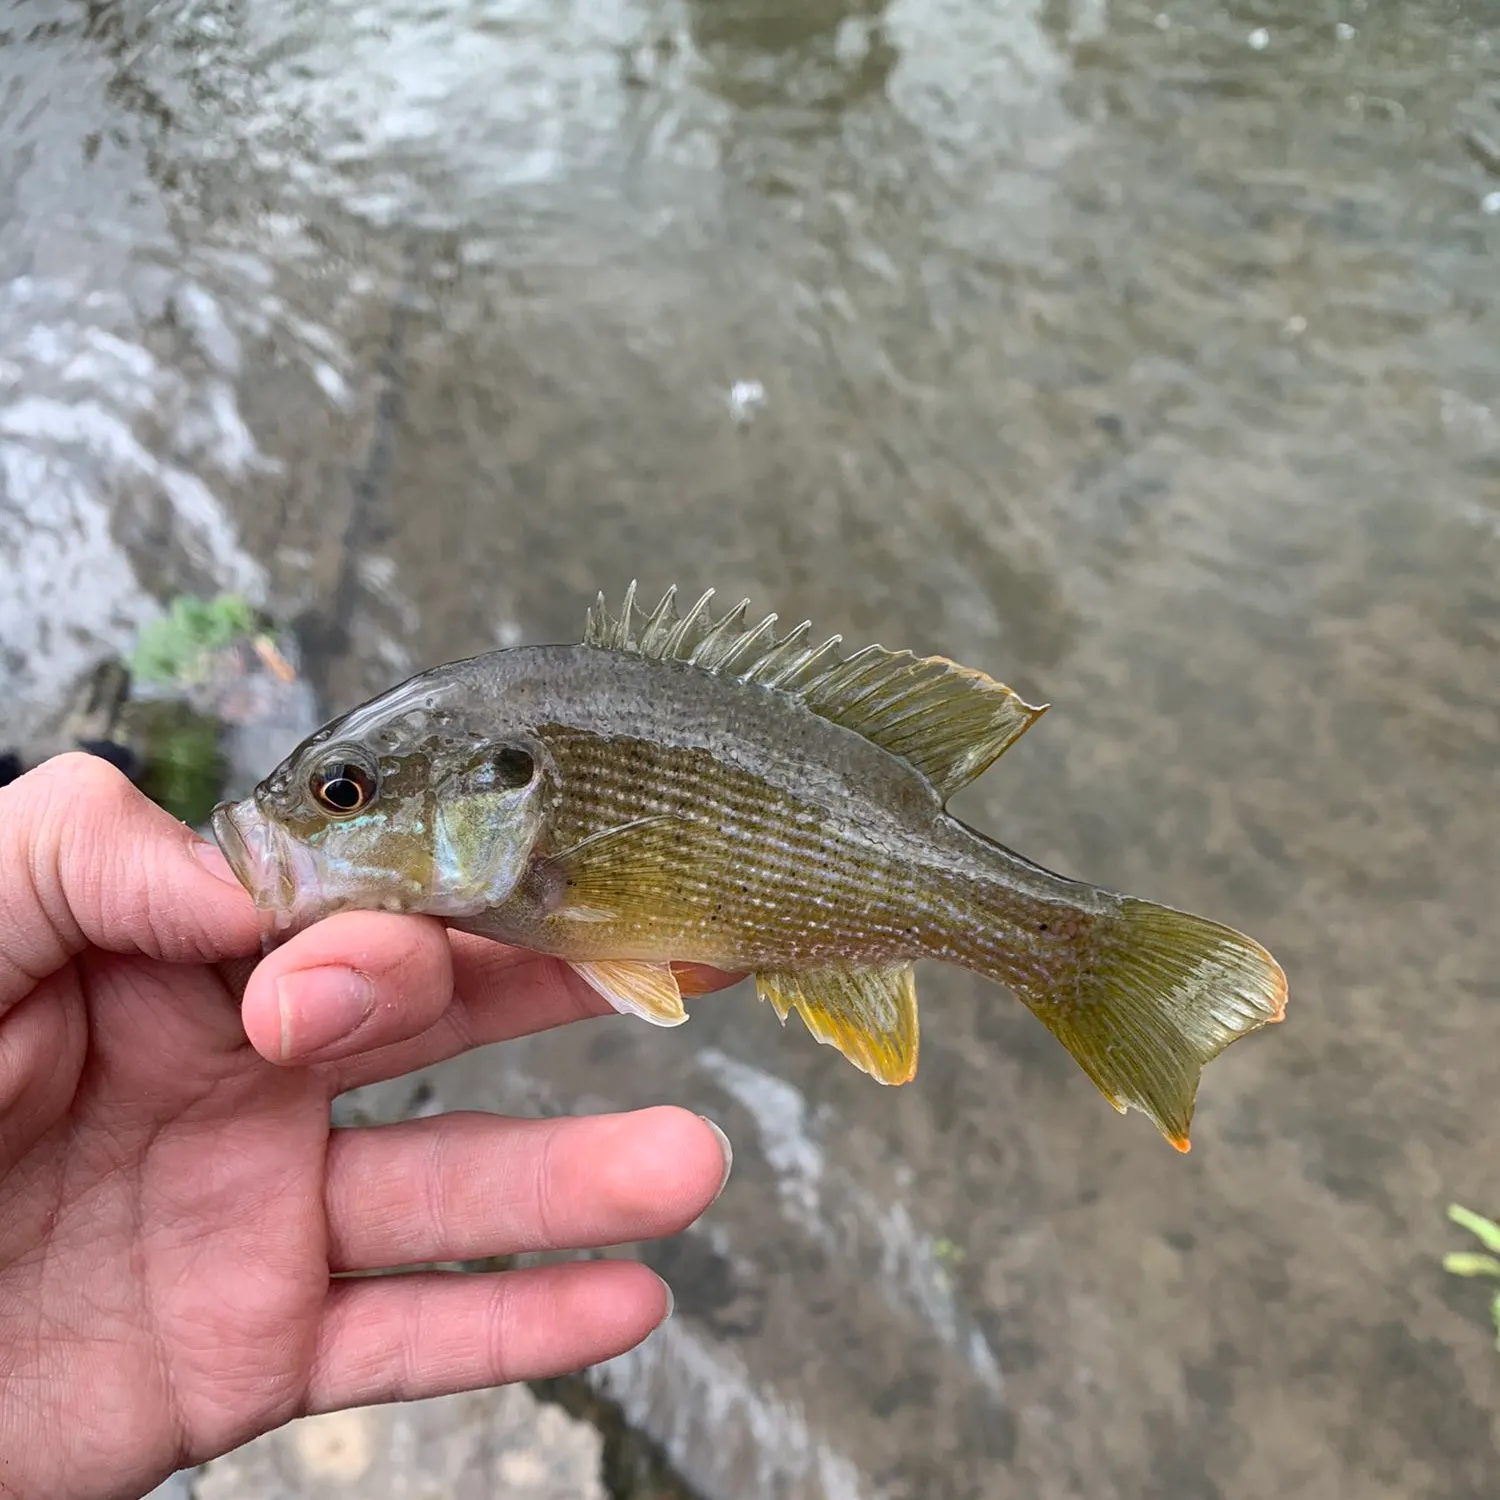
1161, 995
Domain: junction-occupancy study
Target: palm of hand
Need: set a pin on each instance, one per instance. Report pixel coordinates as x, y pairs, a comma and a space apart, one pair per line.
175, 1209
177, 1183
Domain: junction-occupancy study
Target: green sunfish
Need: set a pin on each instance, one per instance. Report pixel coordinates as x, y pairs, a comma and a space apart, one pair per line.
693, 789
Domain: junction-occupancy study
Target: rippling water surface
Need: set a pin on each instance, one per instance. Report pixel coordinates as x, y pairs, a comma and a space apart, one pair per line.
1147, 355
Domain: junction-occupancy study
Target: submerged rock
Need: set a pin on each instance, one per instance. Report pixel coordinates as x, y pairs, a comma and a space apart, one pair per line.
210, 699
472, 1447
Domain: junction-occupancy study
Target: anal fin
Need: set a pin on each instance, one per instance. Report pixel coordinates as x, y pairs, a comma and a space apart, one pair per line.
869, 1014
637, 989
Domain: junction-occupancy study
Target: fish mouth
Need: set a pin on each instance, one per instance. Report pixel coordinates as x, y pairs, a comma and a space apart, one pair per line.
280, 876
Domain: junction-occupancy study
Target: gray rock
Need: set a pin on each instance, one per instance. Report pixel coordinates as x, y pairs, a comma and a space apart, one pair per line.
480, 1446
178, 1487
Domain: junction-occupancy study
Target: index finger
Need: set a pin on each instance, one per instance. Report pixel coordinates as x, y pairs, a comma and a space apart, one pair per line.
86, 860
499, 993
366, 988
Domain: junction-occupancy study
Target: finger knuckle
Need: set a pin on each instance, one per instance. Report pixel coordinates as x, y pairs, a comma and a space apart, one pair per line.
81, 777
549, 1213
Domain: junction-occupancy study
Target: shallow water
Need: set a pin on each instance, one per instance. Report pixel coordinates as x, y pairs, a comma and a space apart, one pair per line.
1147, 356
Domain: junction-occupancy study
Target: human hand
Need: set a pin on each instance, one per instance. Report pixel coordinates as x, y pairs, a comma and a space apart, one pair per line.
174, 1207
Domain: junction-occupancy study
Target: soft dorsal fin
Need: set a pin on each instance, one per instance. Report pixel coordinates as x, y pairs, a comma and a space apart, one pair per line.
948, 722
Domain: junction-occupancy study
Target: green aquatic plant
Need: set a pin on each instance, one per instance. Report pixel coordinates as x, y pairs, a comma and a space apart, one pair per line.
184, 766
176, 647
1477, 1262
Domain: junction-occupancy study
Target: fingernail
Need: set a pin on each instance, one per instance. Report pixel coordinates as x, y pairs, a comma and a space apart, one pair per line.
318, 1007
211, 857
726, 1150
671, 1303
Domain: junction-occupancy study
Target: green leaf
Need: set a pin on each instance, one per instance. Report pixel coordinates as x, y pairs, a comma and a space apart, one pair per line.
1495, 1314
175, 647
1485, 1230
1471, 1263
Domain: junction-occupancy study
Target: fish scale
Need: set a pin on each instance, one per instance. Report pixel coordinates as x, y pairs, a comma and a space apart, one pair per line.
762, 848
686, 787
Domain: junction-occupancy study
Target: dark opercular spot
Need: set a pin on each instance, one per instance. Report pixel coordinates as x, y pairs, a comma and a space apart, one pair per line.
514, 767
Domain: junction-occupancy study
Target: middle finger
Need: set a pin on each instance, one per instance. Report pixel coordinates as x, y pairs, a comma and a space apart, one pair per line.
467, 1186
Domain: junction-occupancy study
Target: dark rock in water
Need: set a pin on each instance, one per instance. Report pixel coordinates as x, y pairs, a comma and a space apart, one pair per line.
88, 719
634, 1467
236, 708
122, 757
167, 746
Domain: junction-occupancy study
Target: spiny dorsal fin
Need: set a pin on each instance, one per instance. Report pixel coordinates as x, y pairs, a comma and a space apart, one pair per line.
948, 722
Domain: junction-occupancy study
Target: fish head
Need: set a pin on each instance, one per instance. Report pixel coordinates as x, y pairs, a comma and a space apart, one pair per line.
401, 806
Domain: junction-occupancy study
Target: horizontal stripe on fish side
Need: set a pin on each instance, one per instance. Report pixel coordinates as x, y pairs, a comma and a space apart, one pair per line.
1034, 941
762, 875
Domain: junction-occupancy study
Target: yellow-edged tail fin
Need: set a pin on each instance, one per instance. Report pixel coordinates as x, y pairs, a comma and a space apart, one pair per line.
1162, 994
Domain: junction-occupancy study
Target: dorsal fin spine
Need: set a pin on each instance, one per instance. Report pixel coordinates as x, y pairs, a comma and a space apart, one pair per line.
674, 642
627, 616
947, 721
711, 650
747, 643
658, 627
800, 666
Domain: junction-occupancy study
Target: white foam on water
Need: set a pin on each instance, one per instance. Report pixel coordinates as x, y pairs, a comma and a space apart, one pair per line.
838, 1212
728, 1433
102, 447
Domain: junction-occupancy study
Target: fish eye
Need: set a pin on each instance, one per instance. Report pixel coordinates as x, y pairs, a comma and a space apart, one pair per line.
343, 787
514, 767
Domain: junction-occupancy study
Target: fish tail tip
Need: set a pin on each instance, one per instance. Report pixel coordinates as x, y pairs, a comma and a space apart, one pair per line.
1161, 994
1282, 991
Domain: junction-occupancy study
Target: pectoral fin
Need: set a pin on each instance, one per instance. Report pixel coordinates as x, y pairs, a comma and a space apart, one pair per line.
870, 1015
617, 873
637, 989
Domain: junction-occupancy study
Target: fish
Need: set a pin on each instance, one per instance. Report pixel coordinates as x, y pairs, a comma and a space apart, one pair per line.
686, 788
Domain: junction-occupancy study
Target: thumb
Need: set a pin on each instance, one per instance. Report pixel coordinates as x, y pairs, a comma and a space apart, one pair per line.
87, 860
